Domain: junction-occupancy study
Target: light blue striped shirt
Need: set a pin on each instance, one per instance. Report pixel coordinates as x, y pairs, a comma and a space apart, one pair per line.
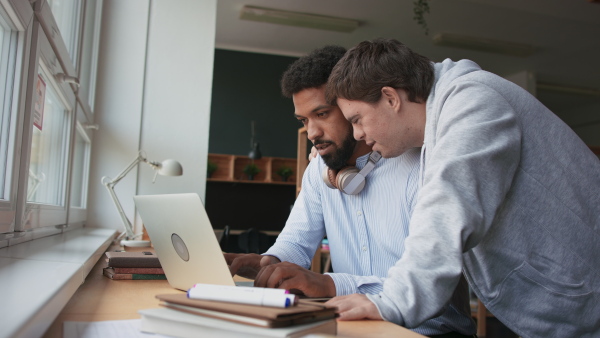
366, 232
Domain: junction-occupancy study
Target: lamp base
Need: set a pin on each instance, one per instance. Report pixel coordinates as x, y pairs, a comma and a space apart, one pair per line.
138, 244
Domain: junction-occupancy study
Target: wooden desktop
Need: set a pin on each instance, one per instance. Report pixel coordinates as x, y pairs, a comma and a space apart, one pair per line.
100, 298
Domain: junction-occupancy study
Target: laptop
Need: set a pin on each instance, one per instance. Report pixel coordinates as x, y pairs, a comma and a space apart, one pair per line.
184, 240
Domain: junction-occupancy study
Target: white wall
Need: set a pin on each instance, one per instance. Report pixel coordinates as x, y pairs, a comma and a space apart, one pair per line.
153, 93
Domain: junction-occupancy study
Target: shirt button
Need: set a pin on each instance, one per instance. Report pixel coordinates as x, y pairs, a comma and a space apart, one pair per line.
364, 248
359, 213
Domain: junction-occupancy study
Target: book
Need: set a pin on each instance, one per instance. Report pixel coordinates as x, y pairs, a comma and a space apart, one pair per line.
145, 271
182, 324
256, 315
110, 273
132, 259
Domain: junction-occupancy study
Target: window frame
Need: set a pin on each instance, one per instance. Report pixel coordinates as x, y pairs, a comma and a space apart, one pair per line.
39, 39
77, 214
30, 214
19, 14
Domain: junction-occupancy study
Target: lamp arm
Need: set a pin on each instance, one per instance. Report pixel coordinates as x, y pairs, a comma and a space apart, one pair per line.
126, 223
110, 186
138, 159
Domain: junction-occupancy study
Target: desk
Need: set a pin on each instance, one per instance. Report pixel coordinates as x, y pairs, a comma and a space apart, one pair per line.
100, 298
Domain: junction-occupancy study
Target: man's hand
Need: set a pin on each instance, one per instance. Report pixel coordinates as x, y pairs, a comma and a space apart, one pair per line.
313, 154
297, 279
355, 307
248, 265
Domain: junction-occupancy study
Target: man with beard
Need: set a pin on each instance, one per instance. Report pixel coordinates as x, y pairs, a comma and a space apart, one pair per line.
366, 231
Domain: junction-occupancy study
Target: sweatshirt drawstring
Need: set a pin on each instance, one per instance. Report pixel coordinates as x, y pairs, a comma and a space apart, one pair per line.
422, 166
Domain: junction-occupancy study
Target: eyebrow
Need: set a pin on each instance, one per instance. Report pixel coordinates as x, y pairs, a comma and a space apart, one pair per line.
316, 109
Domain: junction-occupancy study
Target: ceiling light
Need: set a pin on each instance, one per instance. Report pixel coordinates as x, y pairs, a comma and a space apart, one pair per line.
483, 44
307, 20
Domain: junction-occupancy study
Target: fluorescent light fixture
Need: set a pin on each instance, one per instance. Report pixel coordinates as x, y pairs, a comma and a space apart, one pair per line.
297, 19
483, 44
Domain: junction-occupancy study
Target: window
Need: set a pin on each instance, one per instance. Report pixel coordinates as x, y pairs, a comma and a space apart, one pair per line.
49, 142
12, 57
81, 159
44, 143
89, 52
7, 69
66, 15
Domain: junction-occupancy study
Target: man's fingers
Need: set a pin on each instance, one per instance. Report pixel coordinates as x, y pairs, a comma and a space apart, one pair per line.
263, 275
235, 265
229, 257
352, 314
354, 307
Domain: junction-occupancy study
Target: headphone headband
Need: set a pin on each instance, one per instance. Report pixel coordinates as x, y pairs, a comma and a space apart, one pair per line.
354, 186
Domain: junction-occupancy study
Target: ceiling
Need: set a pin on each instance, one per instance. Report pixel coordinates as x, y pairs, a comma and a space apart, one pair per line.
565, 33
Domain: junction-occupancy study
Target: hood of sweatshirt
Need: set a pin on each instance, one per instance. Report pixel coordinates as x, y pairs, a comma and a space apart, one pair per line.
444, 73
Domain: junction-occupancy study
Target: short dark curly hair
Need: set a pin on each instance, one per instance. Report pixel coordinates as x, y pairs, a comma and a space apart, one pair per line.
310, 71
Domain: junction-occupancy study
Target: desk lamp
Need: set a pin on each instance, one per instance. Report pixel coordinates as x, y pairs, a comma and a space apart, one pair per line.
166, 168
254, 146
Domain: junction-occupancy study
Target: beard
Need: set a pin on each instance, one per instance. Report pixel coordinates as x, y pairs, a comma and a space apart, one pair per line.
339, 158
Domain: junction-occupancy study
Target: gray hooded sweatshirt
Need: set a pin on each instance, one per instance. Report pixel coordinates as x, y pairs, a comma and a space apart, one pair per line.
510, 196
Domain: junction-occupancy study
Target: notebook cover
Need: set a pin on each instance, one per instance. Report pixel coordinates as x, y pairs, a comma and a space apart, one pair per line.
132, 259
110, 273
182, 324
145, 271
301, 313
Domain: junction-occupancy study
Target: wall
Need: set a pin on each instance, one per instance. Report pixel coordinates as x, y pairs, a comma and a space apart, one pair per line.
153, 93
246, 88
580, 111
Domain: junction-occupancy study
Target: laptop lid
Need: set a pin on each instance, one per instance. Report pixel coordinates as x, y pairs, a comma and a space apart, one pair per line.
183, 239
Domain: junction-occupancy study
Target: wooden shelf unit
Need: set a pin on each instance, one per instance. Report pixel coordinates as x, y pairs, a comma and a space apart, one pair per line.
230, 169
302, 158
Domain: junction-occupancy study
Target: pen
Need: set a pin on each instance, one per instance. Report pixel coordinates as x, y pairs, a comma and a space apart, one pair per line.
243, 295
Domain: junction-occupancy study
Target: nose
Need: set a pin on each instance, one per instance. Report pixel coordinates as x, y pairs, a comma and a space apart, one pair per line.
358, 132
313, 131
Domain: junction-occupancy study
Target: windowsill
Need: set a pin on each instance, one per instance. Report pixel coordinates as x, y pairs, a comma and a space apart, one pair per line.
39, 277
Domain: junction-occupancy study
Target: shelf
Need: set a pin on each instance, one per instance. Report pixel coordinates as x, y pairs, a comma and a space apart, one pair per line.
302, 159
230, 169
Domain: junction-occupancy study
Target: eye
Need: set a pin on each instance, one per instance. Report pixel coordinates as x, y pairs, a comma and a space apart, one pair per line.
302, 121
322, 114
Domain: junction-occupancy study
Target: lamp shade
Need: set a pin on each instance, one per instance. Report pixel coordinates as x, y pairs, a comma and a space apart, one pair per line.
170, 168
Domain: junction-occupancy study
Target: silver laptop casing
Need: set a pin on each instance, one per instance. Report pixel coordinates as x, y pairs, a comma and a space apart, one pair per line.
178, 222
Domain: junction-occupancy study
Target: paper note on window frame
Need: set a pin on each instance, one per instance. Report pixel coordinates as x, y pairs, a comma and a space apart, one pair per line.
38, 105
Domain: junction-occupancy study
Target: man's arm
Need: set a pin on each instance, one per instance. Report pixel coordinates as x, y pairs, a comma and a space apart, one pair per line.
305, 227
299, 239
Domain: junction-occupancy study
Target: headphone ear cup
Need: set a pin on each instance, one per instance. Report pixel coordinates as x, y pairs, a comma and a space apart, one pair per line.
345, 176
329, 178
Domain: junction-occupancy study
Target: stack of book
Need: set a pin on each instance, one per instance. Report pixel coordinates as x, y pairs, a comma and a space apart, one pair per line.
133, 265
181, 316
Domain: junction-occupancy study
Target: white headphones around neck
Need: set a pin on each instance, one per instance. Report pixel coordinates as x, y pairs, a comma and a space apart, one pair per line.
350, 180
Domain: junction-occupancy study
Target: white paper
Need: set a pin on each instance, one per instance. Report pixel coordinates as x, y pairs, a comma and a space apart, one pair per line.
103, 329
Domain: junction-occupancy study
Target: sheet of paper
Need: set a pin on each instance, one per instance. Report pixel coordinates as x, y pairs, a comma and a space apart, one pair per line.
113, 328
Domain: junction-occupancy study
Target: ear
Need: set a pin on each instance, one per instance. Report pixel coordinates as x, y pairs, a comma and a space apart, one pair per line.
392, 98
